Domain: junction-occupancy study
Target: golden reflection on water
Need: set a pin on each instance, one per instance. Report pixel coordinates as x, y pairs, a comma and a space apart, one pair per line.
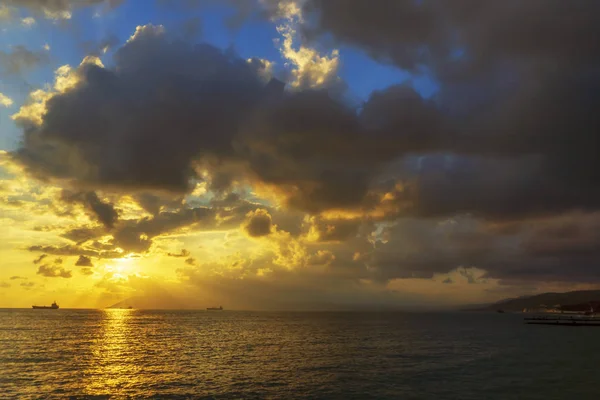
115, 365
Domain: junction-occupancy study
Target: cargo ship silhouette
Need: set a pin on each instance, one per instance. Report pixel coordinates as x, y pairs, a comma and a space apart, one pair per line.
54, 306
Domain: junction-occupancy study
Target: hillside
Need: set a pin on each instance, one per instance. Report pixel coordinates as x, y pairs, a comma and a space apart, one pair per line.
579, 298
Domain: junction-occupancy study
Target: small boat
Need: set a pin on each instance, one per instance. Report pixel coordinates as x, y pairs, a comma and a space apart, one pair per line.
220, 308
54, 306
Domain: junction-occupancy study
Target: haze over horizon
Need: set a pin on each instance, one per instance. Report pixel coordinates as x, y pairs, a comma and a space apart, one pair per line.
273, 154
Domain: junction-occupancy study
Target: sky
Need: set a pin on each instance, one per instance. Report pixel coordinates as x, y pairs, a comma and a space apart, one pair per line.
297, 154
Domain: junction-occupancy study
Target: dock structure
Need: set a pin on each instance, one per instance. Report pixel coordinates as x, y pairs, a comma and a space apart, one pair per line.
564, 320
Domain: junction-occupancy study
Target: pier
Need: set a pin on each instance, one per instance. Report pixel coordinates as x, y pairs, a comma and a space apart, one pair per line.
573, 320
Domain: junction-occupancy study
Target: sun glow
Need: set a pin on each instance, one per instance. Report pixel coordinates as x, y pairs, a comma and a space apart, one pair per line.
122, 267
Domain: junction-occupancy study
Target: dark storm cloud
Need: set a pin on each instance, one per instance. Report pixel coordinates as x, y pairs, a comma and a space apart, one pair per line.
403, 122
321, 154
259, 223
52, 271
411, 34
498, 189
19, 60
192, 28
104, 212
559, 248
511, 136
569, 245
172, 106
421, 248
153, 203
518, 83
313, 149
84, 261
169, 102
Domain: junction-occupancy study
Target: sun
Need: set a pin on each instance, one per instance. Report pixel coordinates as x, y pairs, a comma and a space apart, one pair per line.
122, 266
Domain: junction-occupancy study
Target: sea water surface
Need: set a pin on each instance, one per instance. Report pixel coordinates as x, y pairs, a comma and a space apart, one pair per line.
337, 355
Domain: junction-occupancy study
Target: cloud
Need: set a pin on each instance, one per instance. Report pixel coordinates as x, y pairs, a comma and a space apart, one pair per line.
398, 31
28, 22
15, 277
183, 253
72, 250
491, 181
136, 235
84, 261
511, 99
62, 9
308, 148
230, 89
322, 257
192, 28
312, 289
27, 285
40, 258
331, 229
104, 212
86, 271
259, 223
5, 100
190, 261
6, 13
20, 60
4, 285
51, 271
309, 69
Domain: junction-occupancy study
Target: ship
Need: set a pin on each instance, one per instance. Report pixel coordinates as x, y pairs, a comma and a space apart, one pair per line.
54, 306
220, 308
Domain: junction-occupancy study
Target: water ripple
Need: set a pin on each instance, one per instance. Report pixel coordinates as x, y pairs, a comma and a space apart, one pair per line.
194, 354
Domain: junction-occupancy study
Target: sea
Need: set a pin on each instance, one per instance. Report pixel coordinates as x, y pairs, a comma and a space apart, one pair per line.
106, 354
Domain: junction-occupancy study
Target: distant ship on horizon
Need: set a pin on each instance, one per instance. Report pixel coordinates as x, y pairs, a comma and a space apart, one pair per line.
220, 308
54, 306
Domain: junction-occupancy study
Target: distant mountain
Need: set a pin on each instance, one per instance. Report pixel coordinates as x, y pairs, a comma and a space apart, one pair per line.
568, 300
